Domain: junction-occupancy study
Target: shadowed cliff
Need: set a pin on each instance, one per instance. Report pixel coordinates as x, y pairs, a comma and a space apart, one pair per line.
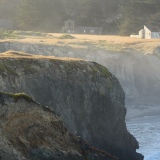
29, 131
137, 72
87, 96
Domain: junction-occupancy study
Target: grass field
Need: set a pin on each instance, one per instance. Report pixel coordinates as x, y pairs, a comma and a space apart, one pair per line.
23, 55
114, 43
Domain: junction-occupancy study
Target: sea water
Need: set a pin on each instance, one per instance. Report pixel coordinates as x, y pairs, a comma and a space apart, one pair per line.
147, 132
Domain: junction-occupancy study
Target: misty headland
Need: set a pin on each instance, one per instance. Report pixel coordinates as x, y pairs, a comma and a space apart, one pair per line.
71, 69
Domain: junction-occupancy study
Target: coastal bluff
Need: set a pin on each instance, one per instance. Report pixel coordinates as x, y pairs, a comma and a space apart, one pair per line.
85, 94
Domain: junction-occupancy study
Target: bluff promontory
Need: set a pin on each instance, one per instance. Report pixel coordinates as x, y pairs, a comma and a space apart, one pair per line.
87, 96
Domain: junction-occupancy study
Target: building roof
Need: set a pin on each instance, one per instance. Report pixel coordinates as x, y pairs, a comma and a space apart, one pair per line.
83, 27
153, 28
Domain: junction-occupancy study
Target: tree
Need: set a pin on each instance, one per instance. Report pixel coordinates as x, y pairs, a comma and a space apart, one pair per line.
49, 15
154, 20
135, 14
29, 14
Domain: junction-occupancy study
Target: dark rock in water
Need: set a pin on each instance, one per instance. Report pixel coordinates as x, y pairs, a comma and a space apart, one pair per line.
29, 132
87, 96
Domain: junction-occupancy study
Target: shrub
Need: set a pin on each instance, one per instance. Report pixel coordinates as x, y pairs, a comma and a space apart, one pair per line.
18, 96
4, 33
29, 33
66, 36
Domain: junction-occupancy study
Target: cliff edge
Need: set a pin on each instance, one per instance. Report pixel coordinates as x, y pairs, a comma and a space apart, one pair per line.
87, 96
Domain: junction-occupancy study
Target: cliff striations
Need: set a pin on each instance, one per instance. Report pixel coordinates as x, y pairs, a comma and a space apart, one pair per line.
87, 96
137, 72
29, 131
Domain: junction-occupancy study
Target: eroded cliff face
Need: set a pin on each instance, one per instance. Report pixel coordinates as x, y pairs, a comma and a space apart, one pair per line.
87, 96
138, 73
29, 131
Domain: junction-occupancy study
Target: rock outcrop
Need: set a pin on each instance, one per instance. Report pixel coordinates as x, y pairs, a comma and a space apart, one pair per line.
29, 131
138, 73
87, 96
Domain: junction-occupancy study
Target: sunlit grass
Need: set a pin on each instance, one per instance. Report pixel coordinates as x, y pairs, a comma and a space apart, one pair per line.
113, 43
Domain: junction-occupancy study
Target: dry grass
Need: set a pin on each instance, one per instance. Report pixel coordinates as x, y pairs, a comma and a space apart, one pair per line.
84, 41
23, 55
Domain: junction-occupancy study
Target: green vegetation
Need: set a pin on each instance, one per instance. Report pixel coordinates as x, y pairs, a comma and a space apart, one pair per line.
94, 68
101, 70
18, 96
28, 33
49, 15
136, 14
6, 69
66, 36
109, 46
26, 65
115, 16
4, 33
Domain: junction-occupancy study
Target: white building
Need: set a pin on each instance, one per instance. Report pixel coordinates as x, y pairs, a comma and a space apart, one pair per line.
149, 32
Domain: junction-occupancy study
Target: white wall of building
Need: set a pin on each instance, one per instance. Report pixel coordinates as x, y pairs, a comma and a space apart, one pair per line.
142, 33
134, 36
148, 34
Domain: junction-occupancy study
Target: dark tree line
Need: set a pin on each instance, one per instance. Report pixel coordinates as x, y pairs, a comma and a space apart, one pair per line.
49, 15
136, 13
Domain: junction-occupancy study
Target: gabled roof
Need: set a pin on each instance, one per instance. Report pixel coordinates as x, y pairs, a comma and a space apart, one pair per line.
152, 28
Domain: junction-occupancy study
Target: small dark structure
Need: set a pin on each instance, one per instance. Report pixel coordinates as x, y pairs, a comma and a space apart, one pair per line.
70, 27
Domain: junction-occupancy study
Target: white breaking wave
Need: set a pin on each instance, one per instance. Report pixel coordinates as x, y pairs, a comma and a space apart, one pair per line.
148, 136
154, 156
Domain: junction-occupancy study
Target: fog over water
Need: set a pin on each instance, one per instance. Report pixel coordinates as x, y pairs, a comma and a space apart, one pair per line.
139, 75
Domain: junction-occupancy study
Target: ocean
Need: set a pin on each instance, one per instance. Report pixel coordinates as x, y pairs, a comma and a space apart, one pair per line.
147, 132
